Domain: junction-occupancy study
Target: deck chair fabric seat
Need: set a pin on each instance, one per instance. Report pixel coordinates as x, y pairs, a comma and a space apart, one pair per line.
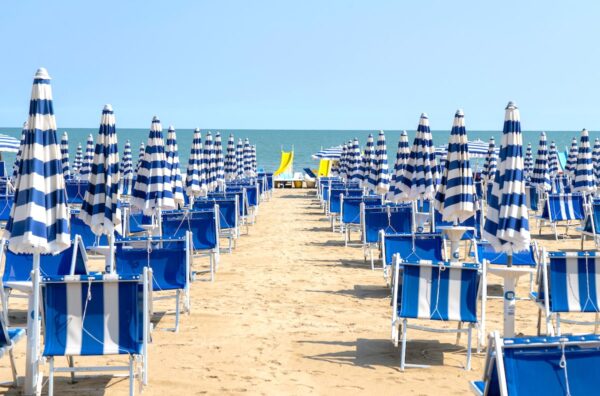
485, 251
473, 222
8, 338
228, 215
560, 208
591, 225
6, 203
351, 212
75, 191
89, 239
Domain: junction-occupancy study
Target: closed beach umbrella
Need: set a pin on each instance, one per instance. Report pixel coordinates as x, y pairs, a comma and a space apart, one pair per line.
507, 221
141, 154
9, 144
152, 190
540, 176
99, 209
39, 218
239, 156
219, 161
247, 159
86, 166
420, 175
584, 168
18, 156
78, 160
343, 162
528, 162
455, 197
395, 194
230, 160
572, 159
126, 168
173, 166
354, 174
64, 152
491, 160
195, 180
596, 160
366, 163
552, 160
379, 171
208, 158
254, 162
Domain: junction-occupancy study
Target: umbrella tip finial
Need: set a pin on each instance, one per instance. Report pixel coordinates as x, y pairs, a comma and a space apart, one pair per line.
107, 108
171, 128
511, 105
424, 115
197, 130
459, 113
155, 119
42, 74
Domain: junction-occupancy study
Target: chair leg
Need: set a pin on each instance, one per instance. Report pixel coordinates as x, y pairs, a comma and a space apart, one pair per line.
403, 351
372, 260
131, 376
458, 333
13, 367
51, 376
71, 362
469, 335
177, 293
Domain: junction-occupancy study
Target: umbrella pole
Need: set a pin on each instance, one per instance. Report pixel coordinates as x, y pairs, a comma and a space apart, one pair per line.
111, 253
32, 380
509, 300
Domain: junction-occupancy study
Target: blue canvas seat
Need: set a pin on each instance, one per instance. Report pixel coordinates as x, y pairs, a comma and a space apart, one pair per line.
561, 184
472, 224
169, 259
442, 292
562, 208
8, 338
6, 202
75, 191
549, 366
335, 204
532, 196
243, 205
89, 239
350, 213
228, 215
591, 224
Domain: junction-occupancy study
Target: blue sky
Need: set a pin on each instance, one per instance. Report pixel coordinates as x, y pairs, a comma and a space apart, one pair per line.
305, 64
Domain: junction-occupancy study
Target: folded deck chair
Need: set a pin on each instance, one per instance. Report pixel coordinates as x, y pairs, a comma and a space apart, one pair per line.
243, 206
532, 196
447, 291
335, 204
591, 224
561, 184
562, 208
569, 284
204, 226
350, 213
549, 366
391, 218
228, 216
8, 338
75, 191
97, 315
170, 261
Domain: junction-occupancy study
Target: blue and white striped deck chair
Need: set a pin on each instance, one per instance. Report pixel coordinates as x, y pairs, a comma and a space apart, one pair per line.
8, 338
75, 191
97, 315
562, 208
443, 292
170, 261
591, 224
561, 184
228, 216
569, 284
532, 197
351, 213
391, 218
335, 205
549, 366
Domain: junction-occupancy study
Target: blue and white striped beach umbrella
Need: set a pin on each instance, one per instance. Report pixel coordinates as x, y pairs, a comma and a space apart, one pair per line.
596, 161
354, 160
367, 162
209, 161
78, 161
553, 165
64, 152
395, 194
254, 162
455, 197
126, 168
141, 154
343, 164
540, 176
379, 175
18, 156
584, 167
152, 190
195, 180
507, 220
220, 161
491, 161
331, 153
99, 209
528, 161
572, 159
9, 144
420, 175
247, 159
173, 166
230, 160
239, 157
86, 166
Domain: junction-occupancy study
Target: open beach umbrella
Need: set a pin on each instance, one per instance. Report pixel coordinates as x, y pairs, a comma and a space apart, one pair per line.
78, 161
354, 160
195, 180
39, 218
331, 153
596, 161
552, 160
420, 175
173, 166
86, 166
18, 156
220, 161
455, 197
395, 194
540, 176
489, 167
239, 157
528, 161
379, 176
230, 160
64, 152
572, 159
247, 159
367, 162
152, 190
126, 168
100, 204
584, 167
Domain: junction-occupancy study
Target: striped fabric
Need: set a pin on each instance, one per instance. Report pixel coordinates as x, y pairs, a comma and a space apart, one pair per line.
489, 168
379, 176
99, 209
367, 162
507, 220
331, 153
254, 165
9, 144
141, 154
247, 159
584, 167
64, 152
126, 168
395, 194
573, 282
173, 167
354, 162
455, 197
239, 156
152, 190
421, 174
477, 149
195, 180
209, 161
596, 161
528, 161
18, 156
563, 207
572, 159
230, 160
39, 218
78, 161
552, 160
446, 291
86, 166
220, 161
113, 316
540, 176
343, 162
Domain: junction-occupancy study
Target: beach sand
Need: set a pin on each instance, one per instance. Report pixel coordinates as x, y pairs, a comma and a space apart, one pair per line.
293, 311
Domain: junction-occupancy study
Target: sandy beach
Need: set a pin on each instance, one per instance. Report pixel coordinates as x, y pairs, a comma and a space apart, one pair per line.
293, 311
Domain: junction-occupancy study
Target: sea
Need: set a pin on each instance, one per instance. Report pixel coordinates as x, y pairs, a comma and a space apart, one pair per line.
304, 143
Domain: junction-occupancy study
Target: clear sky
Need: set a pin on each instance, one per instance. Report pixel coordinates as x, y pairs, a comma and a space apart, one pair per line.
321, 64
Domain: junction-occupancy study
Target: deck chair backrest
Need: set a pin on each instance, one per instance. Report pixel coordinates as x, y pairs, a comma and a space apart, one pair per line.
485, 251
392, 219
561, 185
351, 207
93, 315
393, 244
532, 195
204, 226
253, 195
446, 291
592, 219
479, 189
75, 191
78, 227
335, 203
561, 207
474, 222
6, 203
425, 247
228, 209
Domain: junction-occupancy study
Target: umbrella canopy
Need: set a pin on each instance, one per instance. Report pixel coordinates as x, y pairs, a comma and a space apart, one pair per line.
86, 166
9, 144
39, 218
379, 175
247, 159
367, 162
173, 166
572, 159
420, 175
99, 209
540, 176
141, 154
331, 153
455, 197
489, 167
239, 156
528, 161
195, 180
395, 194
552, 160
18, 156
220, 161
596, 161
64, 152
78, 161
507, 221
343, 162
152, 190
354, 160
230, 160
584, 168
126, 167
477, 149
254, 164
209, 161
